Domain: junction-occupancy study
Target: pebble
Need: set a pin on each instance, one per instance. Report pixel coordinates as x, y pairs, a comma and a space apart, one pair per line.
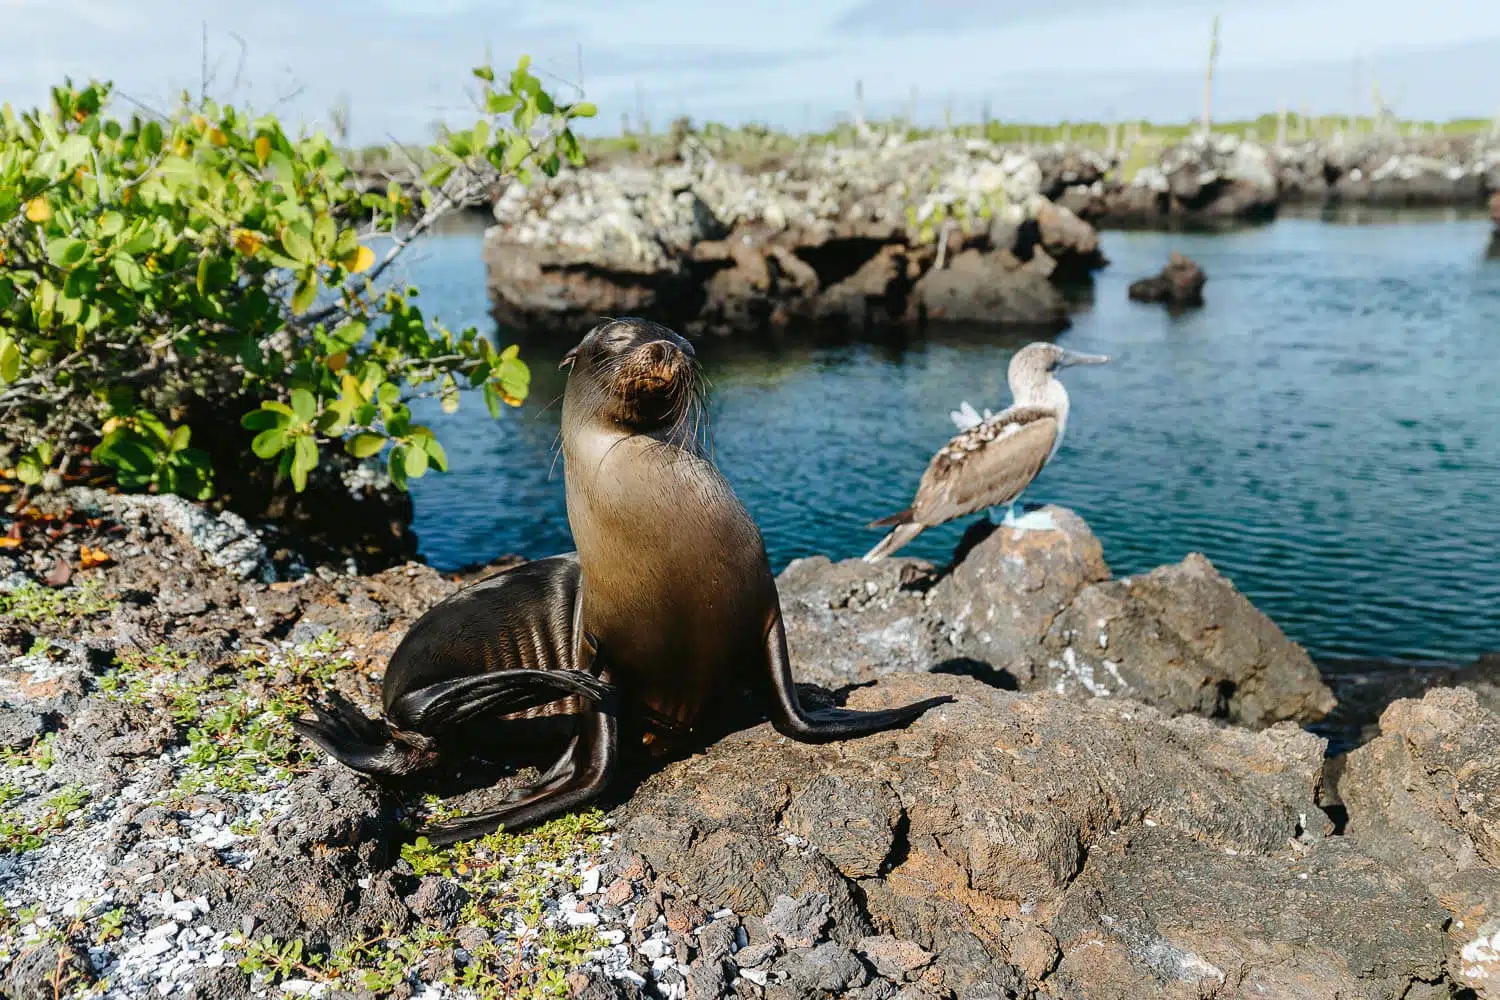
590, 882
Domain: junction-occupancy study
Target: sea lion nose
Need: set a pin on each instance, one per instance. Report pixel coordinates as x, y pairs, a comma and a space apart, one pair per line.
660, 351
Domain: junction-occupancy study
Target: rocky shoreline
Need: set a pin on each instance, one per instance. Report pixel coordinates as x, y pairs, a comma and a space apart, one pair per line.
895, 234
1121, 801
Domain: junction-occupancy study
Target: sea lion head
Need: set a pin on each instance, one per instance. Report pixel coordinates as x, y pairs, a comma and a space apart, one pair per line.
636, 374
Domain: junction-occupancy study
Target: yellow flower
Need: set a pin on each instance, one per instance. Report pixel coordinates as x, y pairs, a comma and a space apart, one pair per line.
262, 149
37, 210
218, 138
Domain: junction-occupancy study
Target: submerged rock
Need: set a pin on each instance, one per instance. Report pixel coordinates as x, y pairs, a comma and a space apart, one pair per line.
1180, 284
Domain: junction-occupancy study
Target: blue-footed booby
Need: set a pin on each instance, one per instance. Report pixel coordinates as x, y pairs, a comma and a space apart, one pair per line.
993, 458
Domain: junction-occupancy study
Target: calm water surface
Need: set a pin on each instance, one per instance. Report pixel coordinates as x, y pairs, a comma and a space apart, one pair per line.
1326, 430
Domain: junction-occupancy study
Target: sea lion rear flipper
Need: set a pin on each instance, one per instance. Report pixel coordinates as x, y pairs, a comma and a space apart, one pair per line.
369, 746
827, 724
582, 773
502, 692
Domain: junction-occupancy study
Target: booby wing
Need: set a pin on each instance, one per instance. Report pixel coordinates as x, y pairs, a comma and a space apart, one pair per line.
987, 465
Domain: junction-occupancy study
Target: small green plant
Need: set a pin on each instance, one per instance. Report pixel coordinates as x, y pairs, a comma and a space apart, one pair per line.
19, 834
33, 604
208, 257
110, 925
40, 754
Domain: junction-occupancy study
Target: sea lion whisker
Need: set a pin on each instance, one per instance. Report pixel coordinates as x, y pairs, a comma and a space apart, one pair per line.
555, 400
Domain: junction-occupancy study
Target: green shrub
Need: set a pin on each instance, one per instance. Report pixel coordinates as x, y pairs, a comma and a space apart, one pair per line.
209, 257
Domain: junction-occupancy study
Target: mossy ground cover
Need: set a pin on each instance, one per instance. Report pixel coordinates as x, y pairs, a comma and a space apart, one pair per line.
506, 941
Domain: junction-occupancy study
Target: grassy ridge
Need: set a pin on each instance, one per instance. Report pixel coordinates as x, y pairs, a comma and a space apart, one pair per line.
758, 145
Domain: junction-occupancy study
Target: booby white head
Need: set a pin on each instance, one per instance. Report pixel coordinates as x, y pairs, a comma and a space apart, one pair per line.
991, 461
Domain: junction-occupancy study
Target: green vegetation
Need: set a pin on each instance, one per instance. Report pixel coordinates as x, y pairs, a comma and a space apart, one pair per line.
39, 755
159, 272
33, 604
19, 834
235, 719
508, 879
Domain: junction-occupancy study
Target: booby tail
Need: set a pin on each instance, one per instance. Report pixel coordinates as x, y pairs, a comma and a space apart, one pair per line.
904, 528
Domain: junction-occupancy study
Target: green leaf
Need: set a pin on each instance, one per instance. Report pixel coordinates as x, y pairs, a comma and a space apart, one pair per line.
305, 293
203, 265
449, 394
484, 73
396, 464
415, 460
584, 110
436, 453
128, 453
304, 405
66, 252
130, 272
438, 175
263, 420
298, 244
324, 233
151, 138
110, 224
74, 150
348, 335
269, 443
364, 445
492, 400
180, 437
499, 104
29, 469
305, 454
10, 360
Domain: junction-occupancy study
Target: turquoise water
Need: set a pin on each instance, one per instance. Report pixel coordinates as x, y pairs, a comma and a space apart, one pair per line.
1326, 430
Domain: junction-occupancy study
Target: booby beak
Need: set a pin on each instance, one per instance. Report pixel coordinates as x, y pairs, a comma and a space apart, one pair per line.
1070, 358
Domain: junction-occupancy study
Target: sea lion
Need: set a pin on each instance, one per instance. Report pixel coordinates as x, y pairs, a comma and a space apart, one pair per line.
677, 588
507, 648
669, 600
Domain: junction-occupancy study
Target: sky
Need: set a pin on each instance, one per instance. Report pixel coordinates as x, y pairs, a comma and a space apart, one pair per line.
404, 64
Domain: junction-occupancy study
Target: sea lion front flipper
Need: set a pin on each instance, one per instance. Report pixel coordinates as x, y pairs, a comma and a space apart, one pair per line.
503, 692
581, 773
827, 724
